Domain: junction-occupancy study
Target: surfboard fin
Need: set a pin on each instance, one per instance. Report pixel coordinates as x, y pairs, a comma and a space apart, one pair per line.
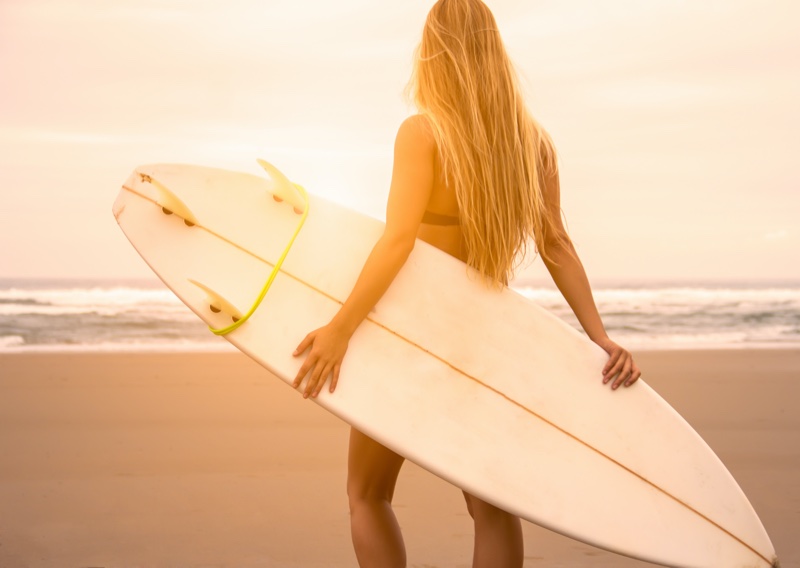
169, 202
283, 189
217, 304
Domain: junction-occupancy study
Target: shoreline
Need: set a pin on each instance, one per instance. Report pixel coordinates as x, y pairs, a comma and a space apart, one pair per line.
224, 348
199, 459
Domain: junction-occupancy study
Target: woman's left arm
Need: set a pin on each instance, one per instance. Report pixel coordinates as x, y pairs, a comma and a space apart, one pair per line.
570, 277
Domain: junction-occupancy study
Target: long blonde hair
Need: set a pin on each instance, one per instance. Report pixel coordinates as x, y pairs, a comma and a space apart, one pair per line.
492, 152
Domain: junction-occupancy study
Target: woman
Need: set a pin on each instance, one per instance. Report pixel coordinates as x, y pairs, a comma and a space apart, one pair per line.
475, 176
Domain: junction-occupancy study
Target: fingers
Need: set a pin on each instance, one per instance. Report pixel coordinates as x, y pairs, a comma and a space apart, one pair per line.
323, 360
635, 374
335, 378
318, 372
317, 380
624, 374
314, 369
621, 368
614, 365
612, 360
307, 365
307, 341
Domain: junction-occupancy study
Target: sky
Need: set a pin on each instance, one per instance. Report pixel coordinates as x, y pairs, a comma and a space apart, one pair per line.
676, 121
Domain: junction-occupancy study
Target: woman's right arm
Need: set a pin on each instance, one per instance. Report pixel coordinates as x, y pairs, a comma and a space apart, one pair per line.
570, 277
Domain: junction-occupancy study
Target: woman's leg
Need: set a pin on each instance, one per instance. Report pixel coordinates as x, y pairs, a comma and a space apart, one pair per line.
372, 471
498, 536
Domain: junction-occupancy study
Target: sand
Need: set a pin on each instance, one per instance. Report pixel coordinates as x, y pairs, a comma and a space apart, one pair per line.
205, 460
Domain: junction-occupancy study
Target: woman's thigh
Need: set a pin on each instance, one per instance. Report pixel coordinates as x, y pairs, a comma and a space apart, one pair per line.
372, 468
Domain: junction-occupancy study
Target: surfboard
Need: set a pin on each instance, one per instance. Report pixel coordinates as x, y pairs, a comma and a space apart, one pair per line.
482, 387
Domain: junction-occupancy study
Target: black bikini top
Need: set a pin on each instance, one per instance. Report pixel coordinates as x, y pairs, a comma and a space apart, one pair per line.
431, 218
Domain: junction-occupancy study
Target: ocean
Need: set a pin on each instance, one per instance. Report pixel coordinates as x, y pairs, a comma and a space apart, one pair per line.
144, 316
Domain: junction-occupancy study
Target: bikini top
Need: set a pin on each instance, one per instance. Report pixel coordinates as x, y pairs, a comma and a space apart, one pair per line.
431, 218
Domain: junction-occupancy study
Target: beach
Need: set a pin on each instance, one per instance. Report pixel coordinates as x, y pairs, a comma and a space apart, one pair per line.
206, 460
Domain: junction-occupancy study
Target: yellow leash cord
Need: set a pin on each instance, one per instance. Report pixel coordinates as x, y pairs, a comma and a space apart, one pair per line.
274, 272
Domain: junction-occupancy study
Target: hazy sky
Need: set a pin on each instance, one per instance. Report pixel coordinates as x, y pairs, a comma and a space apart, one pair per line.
677, 121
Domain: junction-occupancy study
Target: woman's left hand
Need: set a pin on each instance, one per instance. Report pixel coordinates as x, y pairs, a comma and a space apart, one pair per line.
328, 345
620, 365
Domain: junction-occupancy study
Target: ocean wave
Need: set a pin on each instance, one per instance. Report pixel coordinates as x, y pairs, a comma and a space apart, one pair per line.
9, 342
22, 302
152, 312
174, 346
121, 296
92, 316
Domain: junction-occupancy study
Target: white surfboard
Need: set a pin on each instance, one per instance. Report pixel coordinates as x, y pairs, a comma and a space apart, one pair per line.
483, 388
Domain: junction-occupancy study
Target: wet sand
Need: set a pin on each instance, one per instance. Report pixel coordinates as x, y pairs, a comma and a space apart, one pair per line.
205, 460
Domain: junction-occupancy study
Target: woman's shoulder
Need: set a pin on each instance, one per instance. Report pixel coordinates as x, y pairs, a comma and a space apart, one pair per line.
416, 129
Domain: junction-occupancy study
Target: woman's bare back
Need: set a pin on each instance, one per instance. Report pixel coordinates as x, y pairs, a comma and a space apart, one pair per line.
446, 236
